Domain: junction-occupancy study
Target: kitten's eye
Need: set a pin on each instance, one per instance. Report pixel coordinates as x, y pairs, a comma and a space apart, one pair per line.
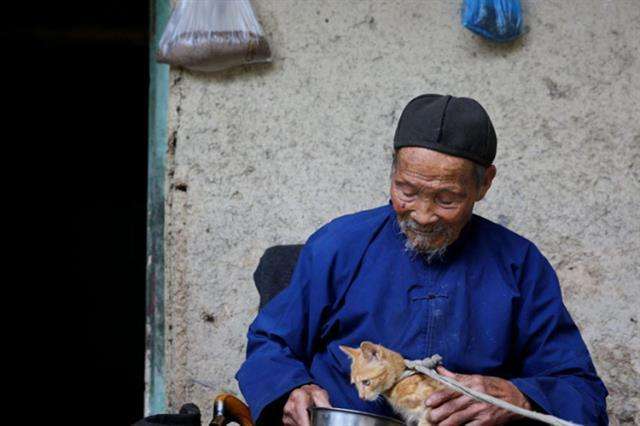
366, 382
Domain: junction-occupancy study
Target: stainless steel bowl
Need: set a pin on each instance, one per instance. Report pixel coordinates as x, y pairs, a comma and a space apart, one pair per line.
342, 417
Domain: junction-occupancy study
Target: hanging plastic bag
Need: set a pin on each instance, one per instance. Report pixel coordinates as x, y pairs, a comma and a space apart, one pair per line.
211, 35
497, 20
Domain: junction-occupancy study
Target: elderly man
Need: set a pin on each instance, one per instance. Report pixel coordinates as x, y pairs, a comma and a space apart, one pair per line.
425, 275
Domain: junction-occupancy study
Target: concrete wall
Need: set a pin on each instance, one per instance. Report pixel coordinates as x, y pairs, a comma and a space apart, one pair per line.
264, 155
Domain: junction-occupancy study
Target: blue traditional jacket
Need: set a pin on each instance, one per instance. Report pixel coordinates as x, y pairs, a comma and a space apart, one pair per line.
491, 306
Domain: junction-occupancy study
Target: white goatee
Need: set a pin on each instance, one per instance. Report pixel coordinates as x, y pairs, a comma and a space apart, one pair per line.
422, 241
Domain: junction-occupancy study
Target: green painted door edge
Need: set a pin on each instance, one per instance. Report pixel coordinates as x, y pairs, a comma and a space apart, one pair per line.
155, 391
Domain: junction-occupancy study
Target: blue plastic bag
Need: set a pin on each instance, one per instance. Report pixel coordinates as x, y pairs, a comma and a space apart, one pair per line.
497, 20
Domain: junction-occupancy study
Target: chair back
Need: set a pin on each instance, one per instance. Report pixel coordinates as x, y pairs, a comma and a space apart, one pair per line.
274, 270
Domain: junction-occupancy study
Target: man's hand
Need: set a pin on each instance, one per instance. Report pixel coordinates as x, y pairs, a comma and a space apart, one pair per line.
295, 410
449, 407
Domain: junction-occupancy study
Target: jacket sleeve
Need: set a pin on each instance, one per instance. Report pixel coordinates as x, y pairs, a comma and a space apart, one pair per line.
556, 371
283, 336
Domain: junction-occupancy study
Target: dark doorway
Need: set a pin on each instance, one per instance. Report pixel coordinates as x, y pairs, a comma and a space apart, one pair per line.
83, 68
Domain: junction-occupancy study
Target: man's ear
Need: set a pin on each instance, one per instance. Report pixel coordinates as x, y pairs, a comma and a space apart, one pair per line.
352, 352
370, 351
489, 174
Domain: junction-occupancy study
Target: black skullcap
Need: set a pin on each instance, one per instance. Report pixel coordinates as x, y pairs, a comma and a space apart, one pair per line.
454, 126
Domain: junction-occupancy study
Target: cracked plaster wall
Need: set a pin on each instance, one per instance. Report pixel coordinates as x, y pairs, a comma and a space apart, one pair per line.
265, 154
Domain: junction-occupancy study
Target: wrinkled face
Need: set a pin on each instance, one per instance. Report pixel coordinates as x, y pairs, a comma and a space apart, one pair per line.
433, 195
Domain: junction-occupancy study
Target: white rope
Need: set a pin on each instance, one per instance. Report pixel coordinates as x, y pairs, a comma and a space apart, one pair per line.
427, 366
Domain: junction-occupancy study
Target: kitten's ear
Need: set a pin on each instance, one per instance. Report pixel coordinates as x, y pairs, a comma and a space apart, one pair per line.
370, 351
352, 352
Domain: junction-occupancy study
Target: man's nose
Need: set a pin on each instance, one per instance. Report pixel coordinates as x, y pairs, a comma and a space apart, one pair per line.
424, 215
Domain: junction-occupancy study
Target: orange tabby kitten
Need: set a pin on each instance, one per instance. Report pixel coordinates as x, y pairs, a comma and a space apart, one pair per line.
376, 370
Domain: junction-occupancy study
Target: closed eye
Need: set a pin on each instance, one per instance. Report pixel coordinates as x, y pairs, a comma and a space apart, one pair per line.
447, 199
405, 190
407, 193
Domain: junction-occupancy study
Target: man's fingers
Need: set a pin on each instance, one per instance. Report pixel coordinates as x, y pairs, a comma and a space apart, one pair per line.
288, 417
302, 415
295, 410
320, 398
464, 416
288, 421
450, 407
438, 398
444, 372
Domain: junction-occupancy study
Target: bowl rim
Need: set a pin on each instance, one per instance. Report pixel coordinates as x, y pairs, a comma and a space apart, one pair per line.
362, 413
